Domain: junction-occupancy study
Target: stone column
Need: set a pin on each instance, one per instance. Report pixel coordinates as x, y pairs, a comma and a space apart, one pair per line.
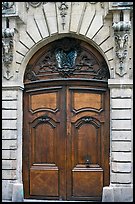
121, 141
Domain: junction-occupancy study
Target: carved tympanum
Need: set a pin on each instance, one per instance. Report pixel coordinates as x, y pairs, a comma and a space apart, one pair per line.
67, 58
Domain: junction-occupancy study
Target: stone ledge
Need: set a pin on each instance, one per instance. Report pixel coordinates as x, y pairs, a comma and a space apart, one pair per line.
120, 83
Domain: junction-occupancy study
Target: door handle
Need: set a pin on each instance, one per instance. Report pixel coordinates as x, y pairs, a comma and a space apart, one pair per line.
87, 161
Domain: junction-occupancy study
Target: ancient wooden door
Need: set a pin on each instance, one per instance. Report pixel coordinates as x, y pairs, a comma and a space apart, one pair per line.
66, 138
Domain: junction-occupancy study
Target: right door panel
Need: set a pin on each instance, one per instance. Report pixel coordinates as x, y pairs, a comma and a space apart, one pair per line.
87, 142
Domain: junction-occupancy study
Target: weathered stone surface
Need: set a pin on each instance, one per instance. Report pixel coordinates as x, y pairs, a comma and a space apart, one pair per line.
76, 17
121, 167
117, 194
121, 92
41, 23
21, 48
7, 188
102, 34
9, 134
9, 124
9, 174
121, 103
9, 105
121, 124
19, 58
121, 135
26, 40
50, 17
96, 24
31, 25
106, 44
121, 156
9, 164
107, 195
9, 154
123, 194
121, 114
9, 144
8, 94
88, 16
9, 114
121, 146
17, 195
120, 83
121, 178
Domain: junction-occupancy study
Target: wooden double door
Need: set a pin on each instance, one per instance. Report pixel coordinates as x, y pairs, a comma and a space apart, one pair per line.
66, 141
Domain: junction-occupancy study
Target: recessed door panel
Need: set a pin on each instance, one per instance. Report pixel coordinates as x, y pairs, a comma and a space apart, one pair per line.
44, 181
43, 100
87, 182
83, 100
43, 144
86, 144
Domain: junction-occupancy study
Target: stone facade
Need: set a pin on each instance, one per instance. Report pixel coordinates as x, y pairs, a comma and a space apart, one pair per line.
108, 26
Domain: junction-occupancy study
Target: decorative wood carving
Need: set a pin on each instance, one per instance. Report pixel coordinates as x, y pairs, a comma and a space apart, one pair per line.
67, 58
88, 119
44, 119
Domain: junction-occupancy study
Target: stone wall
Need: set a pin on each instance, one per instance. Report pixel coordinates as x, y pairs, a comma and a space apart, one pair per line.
11, 139
108, 27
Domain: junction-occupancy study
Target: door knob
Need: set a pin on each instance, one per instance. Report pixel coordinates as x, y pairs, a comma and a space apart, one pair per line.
87, 161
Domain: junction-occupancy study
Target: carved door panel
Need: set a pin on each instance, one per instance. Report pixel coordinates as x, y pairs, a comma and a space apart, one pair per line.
66, 142
88, 142
44, 143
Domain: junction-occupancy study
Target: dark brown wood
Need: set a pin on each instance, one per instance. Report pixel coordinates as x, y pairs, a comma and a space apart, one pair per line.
66, 140
65, 135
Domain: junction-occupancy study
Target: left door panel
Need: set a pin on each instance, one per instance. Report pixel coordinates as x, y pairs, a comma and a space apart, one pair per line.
44, 133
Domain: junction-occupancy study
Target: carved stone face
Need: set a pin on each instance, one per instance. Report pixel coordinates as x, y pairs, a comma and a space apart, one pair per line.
121, 40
